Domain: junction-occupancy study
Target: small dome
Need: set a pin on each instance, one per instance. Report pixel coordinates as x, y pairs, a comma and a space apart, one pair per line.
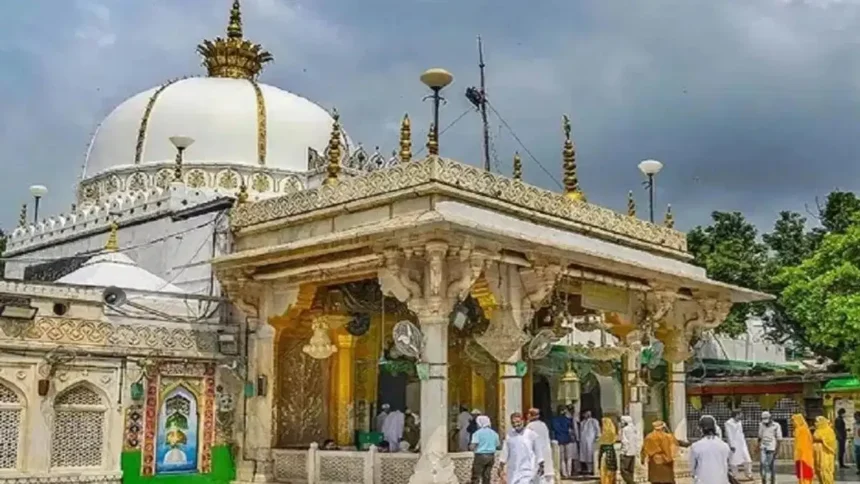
115, 269
223, 117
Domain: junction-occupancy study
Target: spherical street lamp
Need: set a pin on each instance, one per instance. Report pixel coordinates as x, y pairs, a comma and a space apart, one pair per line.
436, 79
650, 168
181, 143
38, 191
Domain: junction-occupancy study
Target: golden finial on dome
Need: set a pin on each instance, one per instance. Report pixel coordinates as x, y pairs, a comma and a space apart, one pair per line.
631, 204
22, 218
432, 142
112, 244
405, 140
334, 153
670, 218
571, 182
518, 167
233, 57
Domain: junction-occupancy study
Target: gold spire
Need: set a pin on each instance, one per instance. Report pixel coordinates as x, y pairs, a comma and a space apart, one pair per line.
22, 218
333, 167
631, 204
242, 196
571, 182
405, 140
518, 167
234, 56
234, 28
432, 142
112, 244
670, 219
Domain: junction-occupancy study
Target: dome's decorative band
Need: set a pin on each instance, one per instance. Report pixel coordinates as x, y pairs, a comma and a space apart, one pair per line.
144, 121
261, 123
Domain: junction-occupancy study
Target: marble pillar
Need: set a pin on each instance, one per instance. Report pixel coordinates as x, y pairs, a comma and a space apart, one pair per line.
510, 392
678, 400
258, 418
344, 389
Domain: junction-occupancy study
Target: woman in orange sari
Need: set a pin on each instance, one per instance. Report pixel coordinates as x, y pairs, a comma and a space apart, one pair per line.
824, 440
804, 460
658, 450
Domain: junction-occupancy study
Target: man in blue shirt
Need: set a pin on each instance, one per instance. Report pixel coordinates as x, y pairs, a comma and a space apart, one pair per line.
485, 442
563, 433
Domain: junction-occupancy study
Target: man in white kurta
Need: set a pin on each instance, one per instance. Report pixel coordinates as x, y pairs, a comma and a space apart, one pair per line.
521, 460
709, 457
380, 419
589, 432
542, 431
738, 445
464, 418
392, 429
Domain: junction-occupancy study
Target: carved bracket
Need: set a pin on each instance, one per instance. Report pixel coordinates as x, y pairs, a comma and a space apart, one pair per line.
538, 282
710, 313
243, 292
395, 279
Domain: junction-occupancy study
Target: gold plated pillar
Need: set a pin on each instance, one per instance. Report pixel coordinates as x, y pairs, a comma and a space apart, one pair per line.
528, 390
477, 392
344, 388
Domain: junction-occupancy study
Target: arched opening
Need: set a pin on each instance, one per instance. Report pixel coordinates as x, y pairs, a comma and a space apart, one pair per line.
542, 397
78, 437
11, 417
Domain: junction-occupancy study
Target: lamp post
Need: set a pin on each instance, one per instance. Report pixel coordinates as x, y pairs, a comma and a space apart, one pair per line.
650, 168
436, 79
181, 143
38, 191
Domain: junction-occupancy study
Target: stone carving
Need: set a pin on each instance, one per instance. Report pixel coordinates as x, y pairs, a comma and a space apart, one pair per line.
597, 220
101, 333
538, 281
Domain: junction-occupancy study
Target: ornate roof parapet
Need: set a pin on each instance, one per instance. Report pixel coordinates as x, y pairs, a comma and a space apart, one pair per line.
456, 179
95, 218
223, 178
234, 56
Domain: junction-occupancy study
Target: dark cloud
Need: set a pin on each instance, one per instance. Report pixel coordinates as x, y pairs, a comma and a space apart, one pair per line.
751, 104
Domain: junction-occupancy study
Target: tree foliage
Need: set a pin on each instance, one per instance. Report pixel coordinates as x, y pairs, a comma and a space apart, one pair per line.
821, 295
814, 274
730, 252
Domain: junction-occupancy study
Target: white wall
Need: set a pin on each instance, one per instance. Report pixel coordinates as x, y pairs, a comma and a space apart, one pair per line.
752, 346
177, 251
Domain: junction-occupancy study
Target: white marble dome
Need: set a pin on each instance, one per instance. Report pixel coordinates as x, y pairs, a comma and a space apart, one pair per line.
223, 117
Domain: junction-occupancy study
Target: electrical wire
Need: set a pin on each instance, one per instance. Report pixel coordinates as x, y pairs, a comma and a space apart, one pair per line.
450, 125
523, 146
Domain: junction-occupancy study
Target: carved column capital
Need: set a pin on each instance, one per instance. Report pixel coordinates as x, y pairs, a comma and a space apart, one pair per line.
709, 313
242, 291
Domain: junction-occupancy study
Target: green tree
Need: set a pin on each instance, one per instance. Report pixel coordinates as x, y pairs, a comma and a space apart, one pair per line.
822, 296
730, 252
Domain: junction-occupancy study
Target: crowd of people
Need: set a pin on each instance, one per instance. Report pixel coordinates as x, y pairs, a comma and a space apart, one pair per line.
717, 458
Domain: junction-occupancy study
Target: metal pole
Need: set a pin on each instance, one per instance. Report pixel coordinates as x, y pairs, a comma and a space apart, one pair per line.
484, 106
436, 100
36, 210
651, 197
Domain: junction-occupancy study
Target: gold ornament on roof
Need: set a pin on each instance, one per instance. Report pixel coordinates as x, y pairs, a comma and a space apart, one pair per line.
432, 142
22, 218
112, 244
670, 218
333, 167
571, 182
518, 167
234, 56
242, 196
405, 140
631, 204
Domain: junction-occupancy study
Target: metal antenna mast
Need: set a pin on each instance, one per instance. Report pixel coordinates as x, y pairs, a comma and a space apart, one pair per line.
478, 97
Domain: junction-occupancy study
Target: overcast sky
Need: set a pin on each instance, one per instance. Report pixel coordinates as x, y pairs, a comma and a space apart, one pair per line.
753, 105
